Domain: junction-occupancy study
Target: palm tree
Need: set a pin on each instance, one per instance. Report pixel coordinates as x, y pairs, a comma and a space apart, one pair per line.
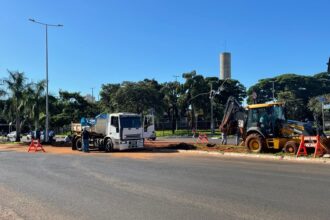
34, 101
16, 85
188, 87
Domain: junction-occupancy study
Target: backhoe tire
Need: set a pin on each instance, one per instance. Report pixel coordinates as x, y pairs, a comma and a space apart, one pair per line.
291, 147
255, 143
78, 144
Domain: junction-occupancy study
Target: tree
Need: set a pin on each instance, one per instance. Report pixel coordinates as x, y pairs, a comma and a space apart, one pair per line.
138, 97
171, 92
2, 92
71, 107
17, 87
292, 86
35, 101
196, 93
108, 93
192, 88
229, 87
294, 106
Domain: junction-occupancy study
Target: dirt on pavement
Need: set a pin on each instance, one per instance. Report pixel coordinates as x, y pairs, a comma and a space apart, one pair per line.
152, 148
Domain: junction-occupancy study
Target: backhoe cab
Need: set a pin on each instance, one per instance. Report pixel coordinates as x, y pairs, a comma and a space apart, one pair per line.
266, 127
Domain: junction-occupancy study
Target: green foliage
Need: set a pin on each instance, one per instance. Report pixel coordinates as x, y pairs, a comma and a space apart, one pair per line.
108, 93
295, 90
315, 105
137, 97
16, 84
71, 107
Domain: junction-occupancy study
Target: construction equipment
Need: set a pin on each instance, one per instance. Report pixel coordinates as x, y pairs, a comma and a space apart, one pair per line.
264, 126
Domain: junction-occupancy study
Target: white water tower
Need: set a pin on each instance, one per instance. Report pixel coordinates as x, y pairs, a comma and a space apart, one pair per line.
225, 65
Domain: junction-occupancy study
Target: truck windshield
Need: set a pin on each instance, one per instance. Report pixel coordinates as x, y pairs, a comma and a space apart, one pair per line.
130, 122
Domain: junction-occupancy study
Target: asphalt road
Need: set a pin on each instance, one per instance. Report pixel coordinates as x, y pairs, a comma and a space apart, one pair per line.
159, 186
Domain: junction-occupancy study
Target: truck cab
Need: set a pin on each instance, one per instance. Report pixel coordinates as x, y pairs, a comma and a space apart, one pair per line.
125, 130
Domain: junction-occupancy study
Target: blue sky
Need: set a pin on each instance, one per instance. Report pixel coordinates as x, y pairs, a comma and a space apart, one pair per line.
129, 40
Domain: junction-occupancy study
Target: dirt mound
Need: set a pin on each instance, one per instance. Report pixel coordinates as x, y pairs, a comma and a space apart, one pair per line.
181, 146
325, 143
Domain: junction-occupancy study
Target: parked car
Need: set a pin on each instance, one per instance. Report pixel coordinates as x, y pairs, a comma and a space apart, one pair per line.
51, 136
12, 136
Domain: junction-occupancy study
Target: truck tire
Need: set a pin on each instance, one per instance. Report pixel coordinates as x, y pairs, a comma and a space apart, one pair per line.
108, 145
78, 144
255, 143
291, 147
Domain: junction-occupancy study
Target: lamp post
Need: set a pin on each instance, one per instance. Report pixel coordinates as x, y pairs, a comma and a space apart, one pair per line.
273, 90
92, 94
47, 112
212, 119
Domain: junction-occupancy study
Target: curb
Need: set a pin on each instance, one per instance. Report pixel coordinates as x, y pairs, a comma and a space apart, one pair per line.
260, 156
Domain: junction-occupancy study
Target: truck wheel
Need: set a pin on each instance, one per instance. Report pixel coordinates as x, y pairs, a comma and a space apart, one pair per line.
78, 144
108, 147
254, 142
291, 147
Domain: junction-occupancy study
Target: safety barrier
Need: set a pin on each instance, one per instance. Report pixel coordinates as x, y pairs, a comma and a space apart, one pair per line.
35, 146
310, 141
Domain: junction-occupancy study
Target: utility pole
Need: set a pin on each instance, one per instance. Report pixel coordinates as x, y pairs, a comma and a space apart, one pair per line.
212, 119
323, 125
92, 94
273, 91
176, 78
47, 111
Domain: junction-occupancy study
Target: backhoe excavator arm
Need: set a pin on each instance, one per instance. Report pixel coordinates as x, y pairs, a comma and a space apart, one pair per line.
234, 114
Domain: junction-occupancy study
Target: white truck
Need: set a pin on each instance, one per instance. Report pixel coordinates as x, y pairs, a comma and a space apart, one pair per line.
108, 132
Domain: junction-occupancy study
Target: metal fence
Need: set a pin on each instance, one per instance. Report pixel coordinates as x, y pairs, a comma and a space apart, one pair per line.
183, 128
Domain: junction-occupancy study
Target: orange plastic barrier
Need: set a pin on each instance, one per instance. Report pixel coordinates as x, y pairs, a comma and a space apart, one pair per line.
313, 141
202, 138
35, 146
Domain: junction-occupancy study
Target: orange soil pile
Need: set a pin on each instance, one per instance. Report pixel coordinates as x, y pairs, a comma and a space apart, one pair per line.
151, 147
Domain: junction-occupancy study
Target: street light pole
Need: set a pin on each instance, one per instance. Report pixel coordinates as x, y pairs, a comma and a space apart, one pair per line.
273, 91
46, 135
92, 94
212, 120
323, 125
